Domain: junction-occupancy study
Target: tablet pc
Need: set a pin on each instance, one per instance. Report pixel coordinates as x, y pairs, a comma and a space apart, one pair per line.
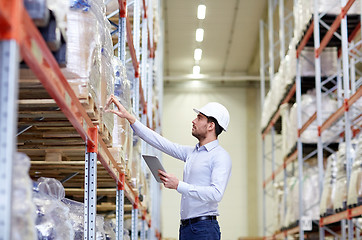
154, 165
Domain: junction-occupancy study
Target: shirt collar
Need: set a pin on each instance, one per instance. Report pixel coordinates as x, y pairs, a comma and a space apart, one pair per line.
209, 146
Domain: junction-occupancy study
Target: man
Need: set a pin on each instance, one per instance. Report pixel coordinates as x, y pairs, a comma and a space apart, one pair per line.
206, 172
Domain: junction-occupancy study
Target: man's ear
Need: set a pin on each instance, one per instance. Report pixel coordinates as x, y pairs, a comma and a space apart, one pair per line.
211, 126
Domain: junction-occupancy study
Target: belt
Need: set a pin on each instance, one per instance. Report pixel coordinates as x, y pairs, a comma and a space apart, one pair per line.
188, 221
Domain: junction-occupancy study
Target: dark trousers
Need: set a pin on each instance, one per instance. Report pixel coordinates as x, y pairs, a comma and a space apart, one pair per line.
202, 230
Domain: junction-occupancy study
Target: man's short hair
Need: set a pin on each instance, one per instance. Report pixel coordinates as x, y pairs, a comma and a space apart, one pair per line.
218, 128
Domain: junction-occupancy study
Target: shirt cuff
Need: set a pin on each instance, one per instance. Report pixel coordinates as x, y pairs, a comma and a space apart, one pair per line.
135, 124
182, 187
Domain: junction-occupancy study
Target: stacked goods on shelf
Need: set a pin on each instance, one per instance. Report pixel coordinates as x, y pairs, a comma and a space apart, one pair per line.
23, 208
135, 164
285, 76
340, 200
329, 186
279, 205
89, 67
309, 107
304, 10
280, 84
310, 196
292, 195
355, 184
122, 133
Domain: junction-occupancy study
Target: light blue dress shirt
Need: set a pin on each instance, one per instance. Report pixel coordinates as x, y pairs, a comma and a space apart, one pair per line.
206, 172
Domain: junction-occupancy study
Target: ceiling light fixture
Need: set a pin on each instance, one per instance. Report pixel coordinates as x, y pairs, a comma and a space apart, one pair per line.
201, 11
196, 70
199, 34
197, 54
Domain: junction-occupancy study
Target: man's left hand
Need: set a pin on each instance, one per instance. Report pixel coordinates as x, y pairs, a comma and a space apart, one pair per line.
169, 180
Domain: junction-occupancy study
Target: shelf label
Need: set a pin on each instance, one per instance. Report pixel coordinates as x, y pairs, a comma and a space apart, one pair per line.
306, 223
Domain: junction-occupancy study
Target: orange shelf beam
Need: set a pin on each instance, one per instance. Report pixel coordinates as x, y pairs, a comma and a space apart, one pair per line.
305, 39
334, 27
335, 116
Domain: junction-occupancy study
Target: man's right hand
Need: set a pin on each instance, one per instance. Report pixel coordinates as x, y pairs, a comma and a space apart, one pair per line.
121, 112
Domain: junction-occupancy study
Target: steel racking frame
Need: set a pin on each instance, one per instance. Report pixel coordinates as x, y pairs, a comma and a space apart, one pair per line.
18, 34
351, 96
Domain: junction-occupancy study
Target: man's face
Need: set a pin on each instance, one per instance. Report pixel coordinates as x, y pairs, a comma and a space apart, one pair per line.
199, 126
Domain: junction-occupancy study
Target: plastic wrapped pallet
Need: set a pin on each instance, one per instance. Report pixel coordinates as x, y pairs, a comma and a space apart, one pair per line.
355, 184
52, 215
340, 200
23, 208
86, 49
329, 186
329, 106
328, 60
292, 202
122, 129
284, 113
279, 206
134, 164
311, 191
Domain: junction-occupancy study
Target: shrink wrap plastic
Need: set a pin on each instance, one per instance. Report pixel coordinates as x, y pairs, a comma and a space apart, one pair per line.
110, 229
76, 216
329, 106
122, 130
340, 199
23, 208
134, 164
310, 196
329, 186
292, 196
279, 205
89, 56
53, 220
355, 184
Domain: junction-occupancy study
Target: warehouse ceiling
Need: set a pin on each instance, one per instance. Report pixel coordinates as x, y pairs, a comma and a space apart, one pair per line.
230, 48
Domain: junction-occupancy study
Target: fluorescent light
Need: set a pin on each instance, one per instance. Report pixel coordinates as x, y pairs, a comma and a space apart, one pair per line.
197, 54
196, 70
199, 34
201, 11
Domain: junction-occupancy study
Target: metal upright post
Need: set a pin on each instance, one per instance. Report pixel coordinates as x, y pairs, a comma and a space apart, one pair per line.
120, 207
143, 230
122, 55
281, 30
262, 94
299, 147
90, 185
318, 87
346, 88
150, 90
271, 40
134, 235
136, 43
9, 60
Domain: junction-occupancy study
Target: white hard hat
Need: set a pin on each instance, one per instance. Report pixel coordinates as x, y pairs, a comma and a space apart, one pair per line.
217, 111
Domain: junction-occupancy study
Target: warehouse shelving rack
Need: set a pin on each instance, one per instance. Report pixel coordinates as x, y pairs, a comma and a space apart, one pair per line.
352, 94
267, 68
20, 37
143, 80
